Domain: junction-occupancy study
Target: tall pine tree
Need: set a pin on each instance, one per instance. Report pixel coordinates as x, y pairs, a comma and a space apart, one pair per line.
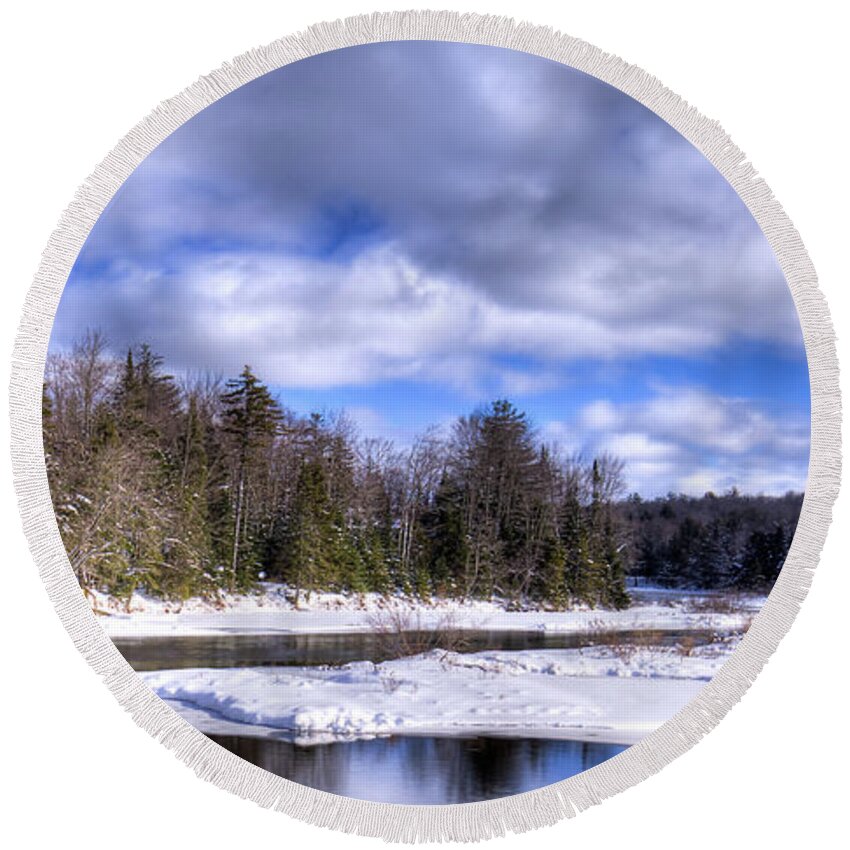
251, 418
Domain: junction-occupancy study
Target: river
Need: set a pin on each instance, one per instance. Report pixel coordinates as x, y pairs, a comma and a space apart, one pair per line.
396, 769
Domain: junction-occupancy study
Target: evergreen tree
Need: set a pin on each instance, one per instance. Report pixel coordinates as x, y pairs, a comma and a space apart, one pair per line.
128, 400
310, 564
193, 550
554, 575
184, 491
615, 594
447, 539
574, 539
251, 417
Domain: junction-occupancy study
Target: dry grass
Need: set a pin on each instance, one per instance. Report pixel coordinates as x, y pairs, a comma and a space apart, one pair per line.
727, 603
401, 633
625, 647
687, 645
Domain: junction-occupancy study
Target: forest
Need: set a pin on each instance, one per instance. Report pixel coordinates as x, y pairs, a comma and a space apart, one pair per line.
184, 488
715, 541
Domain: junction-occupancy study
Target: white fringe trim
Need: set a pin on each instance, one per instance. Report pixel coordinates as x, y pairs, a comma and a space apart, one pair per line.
471, 821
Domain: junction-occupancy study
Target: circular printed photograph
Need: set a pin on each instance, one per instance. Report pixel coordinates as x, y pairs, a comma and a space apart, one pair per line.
426, 422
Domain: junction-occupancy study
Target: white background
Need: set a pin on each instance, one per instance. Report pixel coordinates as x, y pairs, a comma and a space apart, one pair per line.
77, 76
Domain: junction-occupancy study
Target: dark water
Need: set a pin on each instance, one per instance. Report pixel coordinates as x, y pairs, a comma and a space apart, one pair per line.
171, 653
403, 769
423, 771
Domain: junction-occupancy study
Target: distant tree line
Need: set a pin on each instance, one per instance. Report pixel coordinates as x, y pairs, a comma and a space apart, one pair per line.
726, 541
188, 488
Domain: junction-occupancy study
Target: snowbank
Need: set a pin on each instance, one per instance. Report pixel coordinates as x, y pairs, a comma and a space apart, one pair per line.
591, 694
272, 612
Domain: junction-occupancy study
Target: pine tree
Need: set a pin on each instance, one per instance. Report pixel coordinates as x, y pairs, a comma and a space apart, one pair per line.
128, 400
309, 552
683, 565
554, 575
251, 418
447, 539
373, 560
193, 549
615, 594
648, 556
497, 467
604, 582
181, 490
764, 556
574, 540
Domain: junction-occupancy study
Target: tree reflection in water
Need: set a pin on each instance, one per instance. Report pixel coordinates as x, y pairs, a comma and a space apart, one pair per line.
423, 770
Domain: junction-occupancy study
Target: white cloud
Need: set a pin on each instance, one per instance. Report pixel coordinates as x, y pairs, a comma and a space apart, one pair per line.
637, 446
686, 439
600, 415
523, 221
522, 208
307, 322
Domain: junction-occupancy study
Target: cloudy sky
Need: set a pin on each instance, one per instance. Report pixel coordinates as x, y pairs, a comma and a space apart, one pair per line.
409, 230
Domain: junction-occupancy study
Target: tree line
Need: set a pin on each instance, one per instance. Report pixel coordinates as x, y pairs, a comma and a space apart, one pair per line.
727, 541
185, 488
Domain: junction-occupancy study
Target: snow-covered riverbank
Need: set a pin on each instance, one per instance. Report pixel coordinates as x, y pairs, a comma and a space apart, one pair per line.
615, 692
597, 693
272, 612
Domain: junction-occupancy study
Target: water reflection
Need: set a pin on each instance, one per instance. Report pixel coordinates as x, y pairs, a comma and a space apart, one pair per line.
170, 653
424, 770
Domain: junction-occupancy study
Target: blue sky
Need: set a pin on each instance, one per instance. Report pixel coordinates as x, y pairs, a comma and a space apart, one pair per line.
409, 230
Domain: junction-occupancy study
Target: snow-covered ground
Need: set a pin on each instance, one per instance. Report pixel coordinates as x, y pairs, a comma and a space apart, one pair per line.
597, 693
615, 692
272, 612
